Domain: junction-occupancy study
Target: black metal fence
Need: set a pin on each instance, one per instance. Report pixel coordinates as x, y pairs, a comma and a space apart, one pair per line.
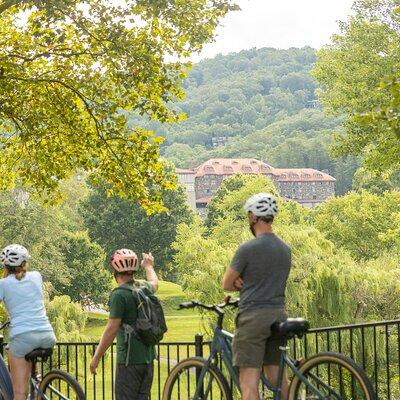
374, 346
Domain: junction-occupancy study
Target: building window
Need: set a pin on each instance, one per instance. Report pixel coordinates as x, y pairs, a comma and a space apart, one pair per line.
246, 168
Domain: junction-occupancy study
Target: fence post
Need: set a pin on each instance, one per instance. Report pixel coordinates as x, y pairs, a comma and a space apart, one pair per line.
198, 344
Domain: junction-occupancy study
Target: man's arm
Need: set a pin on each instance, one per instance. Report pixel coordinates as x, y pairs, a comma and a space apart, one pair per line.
232, 280
105, 342
148, 265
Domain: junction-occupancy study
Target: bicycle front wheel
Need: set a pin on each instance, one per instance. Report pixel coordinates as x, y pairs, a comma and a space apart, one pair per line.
183, 380
59, 385
335, 376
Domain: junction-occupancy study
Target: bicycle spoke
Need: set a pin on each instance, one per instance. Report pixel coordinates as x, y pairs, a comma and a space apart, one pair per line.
342, 384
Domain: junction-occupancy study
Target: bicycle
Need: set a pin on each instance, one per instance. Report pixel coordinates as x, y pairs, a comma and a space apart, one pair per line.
324, 376
55, 384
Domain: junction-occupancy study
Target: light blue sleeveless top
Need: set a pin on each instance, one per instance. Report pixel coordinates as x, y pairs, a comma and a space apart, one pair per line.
24, 302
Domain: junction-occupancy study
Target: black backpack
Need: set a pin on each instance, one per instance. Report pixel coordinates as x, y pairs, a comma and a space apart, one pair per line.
150, 325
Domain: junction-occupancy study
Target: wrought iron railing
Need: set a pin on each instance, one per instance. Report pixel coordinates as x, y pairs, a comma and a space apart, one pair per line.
374, 346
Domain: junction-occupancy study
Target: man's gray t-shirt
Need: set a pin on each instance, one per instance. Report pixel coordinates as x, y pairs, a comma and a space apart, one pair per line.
264, 264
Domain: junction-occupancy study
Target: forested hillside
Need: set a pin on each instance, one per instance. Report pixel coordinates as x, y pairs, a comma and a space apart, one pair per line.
260, 101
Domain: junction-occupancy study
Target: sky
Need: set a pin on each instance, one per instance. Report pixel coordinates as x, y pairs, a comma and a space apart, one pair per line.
280, 24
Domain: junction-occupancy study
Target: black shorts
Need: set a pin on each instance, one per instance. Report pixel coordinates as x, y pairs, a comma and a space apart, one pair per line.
133, 382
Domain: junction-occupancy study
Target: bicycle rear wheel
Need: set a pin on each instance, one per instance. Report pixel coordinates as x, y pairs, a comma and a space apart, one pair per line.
182, 382
6, 389
59, 385
335, 375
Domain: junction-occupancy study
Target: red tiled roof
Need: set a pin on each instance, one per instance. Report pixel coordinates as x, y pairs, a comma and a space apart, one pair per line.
231, 166
227, 166
301, 175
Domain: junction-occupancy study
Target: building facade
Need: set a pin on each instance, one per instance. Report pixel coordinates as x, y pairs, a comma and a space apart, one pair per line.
186, 178
307, 186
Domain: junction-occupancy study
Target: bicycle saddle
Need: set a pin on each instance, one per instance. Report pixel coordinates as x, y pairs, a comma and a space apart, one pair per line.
291, 327
39, 353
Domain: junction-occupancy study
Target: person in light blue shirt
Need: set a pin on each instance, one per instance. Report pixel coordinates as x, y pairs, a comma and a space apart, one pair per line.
22, 294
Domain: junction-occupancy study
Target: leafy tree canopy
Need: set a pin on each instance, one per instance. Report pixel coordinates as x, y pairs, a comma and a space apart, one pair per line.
89, 282
58, 243
120, 223
361, 223
67, 71
351, 70
323, 273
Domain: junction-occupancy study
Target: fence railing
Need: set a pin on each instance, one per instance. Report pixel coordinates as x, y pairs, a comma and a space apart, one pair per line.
374, 346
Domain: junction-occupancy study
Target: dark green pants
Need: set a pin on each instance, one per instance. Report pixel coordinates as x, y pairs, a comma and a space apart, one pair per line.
133, 382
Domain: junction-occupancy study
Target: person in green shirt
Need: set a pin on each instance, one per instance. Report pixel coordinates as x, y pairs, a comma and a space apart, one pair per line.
134, 371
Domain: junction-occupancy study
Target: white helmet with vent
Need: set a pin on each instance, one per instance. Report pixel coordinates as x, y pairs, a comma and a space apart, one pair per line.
262, 205
14, 255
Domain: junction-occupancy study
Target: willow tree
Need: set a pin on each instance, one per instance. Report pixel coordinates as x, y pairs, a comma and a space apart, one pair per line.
69, 72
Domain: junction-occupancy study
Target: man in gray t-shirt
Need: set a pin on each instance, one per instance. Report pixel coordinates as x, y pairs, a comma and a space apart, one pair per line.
259, 270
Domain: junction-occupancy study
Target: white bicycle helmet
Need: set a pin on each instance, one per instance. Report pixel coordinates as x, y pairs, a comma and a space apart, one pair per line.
14, 255
262, 205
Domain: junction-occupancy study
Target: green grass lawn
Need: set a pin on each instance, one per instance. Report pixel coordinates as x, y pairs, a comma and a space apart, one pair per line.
182, 325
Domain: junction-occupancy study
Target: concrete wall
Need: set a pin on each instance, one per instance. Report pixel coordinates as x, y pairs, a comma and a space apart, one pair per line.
188, 182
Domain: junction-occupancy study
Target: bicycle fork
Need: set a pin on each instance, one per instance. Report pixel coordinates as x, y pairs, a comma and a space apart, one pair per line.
201, 391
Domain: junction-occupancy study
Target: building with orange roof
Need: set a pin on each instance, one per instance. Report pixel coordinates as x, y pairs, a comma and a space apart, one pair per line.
307, 186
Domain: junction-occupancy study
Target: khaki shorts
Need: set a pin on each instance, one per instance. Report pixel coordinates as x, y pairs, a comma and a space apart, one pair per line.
253, 345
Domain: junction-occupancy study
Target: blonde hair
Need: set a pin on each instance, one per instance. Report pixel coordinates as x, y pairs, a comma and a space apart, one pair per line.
19, 271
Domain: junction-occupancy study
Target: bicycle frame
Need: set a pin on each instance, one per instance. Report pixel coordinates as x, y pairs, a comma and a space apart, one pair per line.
222, 345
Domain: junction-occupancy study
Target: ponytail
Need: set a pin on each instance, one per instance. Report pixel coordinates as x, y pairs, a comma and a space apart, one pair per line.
19, 271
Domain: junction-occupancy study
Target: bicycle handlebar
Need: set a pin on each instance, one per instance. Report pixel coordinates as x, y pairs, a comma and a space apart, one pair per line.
218, 308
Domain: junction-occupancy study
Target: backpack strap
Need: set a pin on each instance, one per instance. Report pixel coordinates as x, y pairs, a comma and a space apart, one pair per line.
141, 301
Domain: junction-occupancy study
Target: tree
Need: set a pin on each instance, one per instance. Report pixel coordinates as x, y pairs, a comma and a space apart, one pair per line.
65, 256
228, 185
38, 228
350, 71
89, 282
71, 69
360, 222
116, 223
67, 319
226, 215
323, 274
365, 180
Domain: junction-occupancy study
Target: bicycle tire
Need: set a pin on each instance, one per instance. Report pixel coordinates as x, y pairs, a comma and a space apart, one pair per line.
352, 381
61, 381
173, 391
6, 388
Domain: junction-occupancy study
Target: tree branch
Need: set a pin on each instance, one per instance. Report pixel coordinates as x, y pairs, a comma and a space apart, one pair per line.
52, 53
6, 4
84, 100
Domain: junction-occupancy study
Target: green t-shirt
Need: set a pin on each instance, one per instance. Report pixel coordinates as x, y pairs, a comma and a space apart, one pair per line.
122, 305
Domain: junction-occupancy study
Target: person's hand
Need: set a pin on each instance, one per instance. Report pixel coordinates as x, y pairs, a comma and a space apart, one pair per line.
147, 260
238, 284
93, 365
